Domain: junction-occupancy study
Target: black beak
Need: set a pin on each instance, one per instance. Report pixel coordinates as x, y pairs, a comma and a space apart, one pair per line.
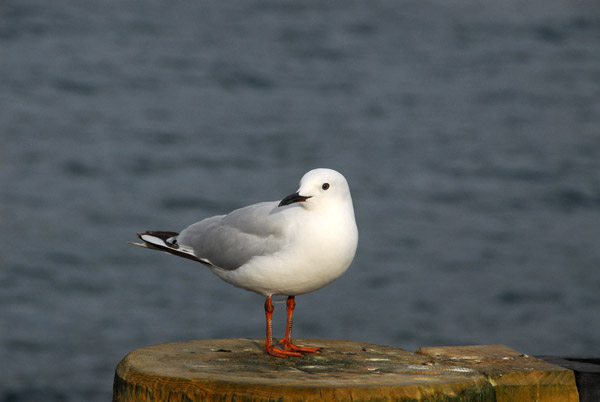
292, 198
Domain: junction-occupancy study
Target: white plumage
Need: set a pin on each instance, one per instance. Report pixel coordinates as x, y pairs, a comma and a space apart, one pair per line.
291, 247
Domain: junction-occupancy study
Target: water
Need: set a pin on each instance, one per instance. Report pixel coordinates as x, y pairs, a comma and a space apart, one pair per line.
469, 133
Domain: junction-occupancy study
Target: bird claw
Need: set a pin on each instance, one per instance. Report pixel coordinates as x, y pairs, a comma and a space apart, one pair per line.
273, 351
287, 345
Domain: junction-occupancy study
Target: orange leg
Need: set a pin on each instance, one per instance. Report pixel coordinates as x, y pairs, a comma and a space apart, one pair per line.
287, 340
271, 349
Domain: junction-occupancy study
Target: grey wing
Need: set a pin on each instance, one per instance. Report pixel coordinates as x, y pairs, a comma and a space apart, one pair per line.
230, 241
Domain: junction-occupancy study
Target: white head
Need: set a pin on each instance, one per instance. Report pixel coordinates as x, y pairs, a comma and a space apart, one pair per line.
320, 188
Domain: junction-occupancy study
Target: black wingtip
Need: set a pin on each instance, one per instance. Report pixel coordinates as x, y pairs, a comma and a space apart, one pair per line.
161, 234
170, 247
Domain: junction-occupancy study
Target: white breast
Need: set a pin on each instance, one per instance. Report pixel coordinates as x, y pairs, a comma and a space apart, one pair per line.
321, 250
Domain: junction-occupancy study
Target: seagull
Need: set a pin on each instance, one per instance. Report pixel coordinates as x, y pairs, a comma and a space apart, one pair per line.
287, 248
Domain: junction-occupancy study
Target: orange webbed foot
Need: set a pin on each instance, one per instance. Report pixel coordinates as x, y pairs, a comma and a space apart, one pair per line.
283, 353
287, 345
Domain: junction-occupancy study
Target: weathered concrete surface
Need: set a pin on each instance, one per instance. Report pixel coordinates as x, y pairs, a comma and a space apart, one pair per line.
515, 376
240, 370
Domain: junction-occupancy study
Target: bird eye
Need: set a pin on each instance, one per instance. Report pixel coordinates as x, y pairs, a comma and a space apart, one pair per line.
325, 186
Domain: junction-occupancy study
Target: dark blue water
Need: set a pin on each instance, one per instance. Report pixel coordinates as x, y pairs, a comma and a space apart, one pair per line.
469, 133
